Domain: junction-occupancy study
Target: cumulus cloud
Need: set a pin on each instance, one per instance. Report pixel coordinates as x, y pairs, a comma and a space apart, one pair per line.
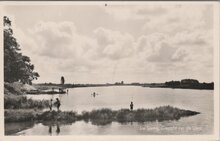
180, 55
180, 18
175, 42
57, 40
114, 44
163, 54
160, 48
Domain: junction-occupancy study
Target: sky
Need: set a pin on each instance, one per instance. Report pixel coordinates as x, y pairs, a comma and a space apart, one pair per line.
118, 42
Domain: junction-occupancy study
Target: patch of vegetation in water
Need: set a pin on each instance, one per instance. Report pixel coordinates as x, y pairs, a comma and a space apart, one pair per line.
68, 116
105, 116
102, 116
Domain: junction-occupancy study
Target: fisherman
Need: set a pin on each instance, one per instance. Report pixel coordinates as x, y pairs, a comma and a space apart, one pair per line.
57, 103
131, 106
67, 91
51, 104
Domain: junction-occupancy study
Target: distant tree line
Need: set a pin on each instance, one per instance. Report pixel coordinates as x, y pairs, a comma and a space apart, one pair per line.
185, 84
189, 83
119, 83
17, 67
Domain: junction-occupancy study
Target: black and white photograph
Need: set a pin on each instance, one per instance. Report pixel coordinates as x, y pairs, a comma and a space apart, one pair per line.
110, 68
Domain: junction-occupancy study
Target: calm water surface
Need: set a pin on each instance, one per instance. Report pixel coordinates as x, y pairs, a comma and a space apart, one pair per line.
117, 97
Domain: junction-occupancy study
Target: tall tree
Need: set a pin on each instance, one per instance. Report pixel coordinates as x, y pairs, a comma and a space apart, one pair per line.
17, 67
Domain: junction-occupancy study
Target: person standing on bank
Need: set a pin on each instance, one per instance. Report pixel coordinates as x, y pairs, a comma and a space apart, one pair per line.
57, 103
51, 104
131, 106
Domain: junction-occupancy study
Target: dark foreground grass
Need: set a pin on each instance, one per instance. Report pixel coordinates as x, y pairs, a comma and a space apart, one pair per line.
100, 117
21, 115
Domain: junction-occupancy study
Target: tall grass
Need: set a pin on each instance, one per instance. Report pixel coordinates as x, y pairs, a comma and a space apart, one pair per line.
106, 116
14, 98
22, 102
58, 116
20, 115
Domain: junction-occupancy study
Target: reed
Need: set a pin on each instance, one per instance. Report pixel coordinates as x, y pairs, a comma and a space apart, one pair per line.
101, 116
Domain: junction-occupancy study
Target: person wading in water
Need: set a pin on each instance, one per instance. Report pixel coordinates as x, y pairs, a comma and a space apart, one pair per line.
131, 106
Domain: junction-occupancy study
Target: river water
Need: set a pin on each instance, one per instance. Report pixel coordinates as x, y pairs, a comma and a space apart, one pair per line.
118, 97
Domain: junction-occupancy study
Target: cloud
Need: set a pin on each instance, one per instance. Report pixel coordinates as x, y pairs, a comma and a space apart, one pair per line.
56, 39
160, 48
163, 54
113, 44
57, 48
197, 38
180, 18
175, 42
180, 55
61, 47
134, 12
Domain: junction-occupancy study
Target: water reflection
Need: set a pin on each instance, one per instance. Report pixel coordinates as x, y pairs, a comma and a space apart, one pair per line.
58, 129
101, 122
50, 130
12, 128
53, 128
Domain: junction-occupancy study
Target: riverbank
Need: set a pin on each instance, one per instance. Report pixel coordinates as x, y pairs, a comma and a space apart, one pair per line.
99, 117
15, 97
22, 102
183, 84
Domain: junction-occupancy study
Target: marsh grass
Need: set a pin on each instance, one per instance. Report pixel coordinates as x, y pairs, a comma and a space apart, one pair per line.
22, 102
101, 116
69, 116
21, 115
106, 116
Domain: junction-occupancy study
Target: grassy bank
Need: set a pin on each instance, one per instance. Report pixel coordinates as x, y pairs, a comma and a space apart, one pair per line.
48, 86
14, 97
100, 117
22, 102
20, 115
